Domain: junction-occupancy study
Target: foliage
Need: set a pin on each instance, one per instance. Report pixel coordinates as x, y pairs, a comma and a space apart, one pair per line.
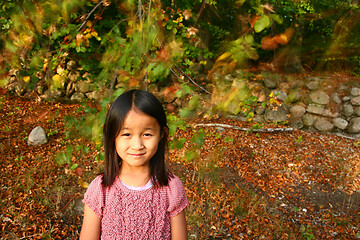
5, 11
186, 49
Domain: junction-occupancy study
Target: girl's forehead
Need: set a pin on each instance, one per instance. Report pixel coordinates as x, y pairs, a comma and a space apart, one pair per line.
139, 119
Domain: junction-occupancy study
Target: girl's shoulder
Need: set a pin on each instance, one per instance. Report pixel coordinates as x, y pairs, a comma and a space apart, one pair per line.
175, 184
176, 196
174, 181
97, 182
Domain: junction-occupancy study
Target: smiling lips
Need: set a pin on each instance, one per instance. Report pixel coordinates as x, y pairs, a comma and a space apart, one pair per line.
136, 154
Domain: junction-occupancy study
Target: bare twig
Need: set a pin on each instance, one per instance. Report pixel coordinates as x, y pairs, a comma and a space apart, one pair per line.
75, 195
89, 14
30, 236
189, 79
348, 137
264, 130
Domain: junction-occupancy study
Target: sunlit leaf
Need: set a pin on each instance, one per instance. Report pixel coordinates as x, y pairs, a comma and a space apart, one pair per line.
276, 18
262, 23
223, 56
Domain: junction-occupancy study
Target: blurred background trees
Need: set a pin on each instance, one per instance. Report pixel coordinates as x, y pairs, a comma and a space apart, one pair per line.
141, 43
183, 51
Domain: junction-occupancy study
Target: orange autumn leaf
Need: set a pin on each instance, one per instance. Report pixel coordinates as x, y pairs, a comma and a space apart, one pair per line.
164, 54
253, 20
284, 38
268, 43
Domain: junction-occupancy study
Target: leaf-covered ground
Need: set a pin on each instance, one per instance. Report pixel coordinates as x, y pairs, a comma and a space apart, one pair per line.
288, 185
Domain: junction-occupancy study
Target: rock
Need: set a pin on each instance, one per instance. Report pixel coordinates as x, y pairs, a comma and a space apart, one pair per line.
348, 110
70, 88
278, 115
99, 95
330, 114
73, 76
346, 99
228, 78
354, 125
355, 92
293, 96
297, 111
355, 101
269, 83
37, 137
315, 109
259, 118
342, 88
94, 95
260, 110
319, 97
71, 65
335, 98
297, 124
308, 119
323, 125
52, 93
357, 111
297, 84
83, 87
284, 86
312, 85
261, 96
280, 95
77, 97
340, 123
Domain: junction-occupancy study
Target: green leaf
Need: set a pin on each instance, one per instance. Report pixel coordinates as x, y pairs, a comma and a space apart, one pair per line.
185, 112
199, 138
191, 155
180, 143
74, 166
62, 158
100, 157
249, 39
262, 23
276, 18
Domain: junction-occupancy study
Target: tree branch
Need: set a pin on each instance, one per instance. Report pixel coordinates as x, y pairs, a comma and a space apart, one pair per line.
189, 79
263, 130
89, 14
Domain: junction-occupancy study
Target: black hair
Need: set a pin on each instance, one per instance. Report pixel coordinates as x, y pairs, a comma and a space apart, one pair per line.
150, 105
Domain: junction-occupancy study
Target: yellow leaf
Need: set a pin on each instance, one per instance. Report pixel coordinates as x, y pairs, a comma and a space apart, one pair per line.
223, 56
56, 81
83, 184
26, 79
89, 24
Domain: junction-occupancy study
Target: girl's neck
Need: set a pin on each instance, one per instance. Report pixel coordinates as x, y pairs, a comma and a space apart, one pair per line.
135, 178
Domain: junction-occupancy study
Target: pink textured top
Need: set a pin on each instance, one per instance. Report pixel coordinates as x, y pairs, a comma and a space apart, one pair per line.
135, 214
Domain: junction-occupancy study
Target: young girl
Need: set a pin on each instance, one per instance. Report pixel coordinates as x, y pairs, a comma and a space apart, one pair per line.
136, 197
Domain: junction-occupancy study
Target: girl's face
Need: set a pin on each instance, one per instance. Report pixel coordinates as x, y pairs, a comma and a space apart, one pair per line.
138, 139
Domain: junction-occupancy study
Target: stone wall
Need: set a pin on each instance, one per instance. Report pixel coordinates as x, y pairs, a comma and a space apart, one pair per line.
322, 104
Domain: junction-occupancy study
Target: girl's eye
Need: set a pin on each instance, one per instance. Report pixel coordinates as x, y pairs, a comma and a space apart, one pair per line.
147, 134
126, 134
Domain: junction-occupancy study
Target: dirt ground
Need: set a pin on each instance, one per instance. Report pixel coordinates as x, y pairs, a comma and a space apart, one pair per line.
241, 185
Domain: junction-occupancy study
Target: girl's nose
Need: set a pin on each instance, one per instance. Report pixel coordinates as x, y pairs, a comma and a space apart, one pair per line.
137, 143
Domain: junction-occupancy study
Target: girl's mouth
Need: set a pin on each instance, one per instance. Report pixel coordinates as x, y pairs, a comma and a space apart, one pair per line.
137, 154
